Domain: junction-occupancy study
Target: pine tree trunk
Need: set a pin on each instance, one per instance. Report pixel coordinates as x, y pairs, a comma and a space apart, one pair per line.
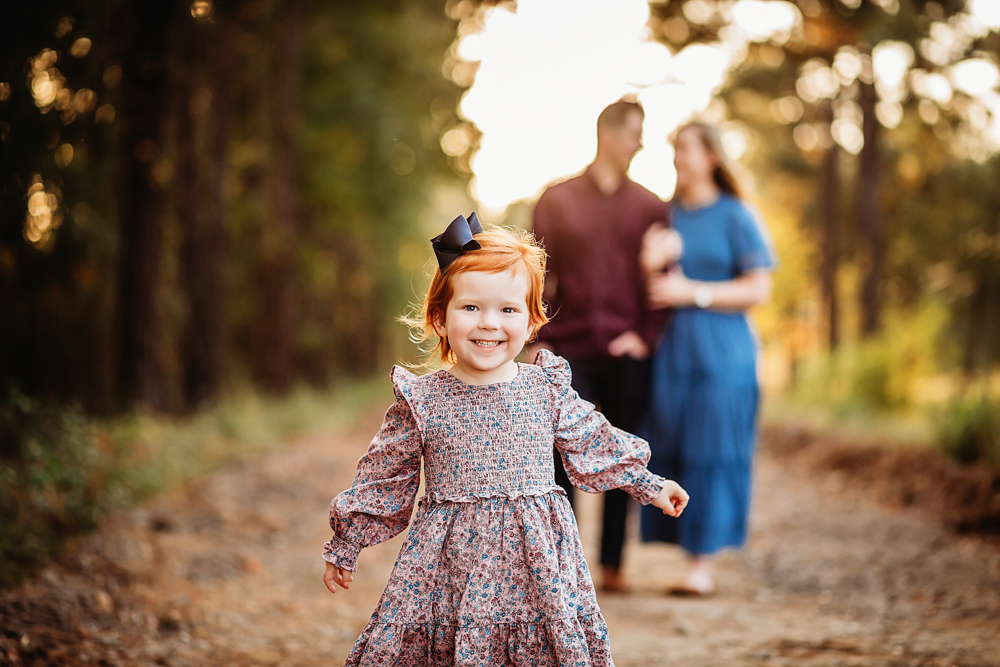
830, 199
274, 345
202, 205
145, 83
869, 219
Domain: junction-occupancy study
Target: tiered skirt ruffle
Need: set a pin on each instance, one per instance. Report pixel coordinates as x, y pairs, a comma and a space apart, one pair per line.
497, 581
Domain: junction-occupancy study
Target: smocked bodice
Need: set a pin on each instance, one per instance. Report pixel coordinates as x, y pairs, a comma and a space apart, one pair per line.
484, 440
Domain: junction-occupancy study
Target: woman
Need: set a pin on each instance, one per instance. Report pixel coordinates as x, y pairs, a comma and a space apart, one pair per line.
710, 268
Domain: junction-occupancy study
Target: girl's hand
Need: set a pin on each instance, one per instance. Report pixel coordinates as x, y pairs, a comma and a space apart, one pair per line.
661, 247
338, 575
670, 290
672, 499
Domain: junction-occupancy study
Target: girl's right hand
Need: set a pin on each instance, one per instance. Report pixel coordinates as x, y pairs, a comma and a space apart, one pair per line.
338, 575
672, 499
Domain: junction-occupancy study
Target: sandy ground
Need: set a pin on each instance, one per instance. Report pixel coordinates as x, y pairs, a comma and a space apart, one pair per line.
227, 572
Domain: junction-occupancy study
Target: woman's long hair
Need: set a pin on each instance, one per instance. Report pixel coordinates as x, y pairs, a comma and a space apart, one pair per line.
725, 171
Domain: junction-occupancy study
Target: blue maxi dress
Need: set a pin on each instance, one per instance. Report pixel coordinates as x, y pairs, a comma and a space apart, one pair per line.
701, 421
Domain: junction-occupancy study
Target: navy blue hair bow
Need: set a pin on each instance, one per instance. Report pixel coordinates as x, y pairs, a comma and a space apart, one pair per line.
456, 239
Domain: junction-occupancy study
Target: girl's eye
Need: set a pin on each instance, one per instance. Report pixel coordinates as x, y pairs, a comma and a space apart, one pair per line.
510, 310
471, 309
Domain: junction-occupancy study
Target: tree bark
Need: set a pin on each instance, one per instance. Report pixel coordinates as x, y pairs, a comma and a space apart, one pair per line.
830, 201
981, 330
145, 83
869, 219
274, 345
201, 202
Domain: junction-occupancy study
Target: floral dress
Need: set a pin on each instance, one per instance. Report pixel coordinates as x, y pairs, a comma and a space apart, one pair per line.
492, 571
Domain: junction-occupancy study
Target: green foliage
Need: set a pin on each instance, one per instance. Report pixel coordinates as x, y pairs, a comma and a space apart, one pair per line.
372, 106
51, 480
370, 153
969, 428
62, 472
881, 374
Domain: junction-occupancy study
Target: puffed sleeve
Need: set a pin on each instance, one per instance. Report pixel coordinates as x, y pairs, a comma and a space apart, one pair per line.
597, 456
751, 246
379, 503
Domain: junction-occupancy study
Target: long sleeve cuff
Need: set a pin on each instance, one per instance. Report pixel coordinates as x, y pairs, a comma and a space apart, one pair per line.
646, 488
341, 553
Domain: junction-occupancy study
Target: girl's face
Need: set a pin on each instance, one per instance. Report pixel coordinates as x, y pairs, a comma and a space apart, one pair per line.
692, 159
487, 322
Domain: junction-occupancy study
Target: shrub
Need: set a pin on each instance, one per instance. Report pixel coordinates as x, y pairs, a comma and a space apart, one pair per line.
61, 472
879, 374
51, 476
969, 429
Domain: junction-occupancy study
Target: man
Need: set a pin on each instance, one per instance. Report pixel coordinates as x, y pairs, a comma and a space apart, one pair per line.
592, 228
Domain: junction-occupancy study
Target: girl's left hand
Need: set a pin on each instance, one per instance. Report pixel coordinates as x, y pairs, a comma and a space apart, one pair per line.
670, 289
337, 575
672, 499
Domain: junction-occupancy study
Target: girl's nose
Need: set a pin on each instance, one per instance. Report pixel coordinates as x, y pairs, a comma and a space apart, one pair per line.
488, 321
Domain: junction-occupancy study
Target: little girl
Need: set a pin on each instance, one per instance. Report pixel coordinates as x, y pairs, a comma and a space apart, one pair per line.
492, 572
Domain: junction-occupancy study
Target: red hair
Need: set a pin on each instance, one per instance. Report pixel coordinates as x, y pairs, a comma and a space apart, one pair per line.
503, 249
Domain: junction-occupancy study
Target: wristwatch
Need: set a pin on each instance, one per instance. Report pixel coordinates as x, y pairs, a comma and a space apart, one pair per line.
702, 296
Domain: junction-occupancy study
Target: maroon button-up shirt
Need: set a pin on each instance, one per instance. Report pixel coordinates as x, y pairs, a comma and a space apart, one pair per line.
594, 284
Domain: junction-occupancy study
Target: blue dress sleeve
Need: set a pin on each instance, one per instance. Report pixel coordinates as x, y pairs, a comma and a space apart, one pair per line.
750, 242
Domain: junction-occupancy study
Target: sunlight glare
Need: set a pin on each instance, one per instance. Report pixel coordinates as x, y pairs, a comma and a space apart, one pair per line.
987, 12
761, 19
548, 70
975, 76
891, 60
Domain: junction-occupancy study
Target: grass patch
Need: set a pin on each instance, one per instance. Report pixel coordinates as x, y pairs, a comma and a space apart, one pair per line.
912, 428
61, 472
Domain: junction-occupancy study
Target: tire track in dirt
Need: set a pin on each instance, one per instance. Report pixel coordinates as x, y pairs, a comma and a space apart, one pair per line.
227, 571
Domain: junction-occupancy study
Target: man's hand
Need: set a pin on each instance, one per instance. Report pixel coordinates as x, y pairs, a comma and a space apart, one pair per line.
628, 344
672, 499
337, 575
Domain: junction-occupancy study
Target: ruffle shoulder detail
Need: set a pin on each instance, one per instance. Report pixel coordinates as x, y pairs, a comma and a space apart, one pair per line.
403, 380
555, 368
410, 389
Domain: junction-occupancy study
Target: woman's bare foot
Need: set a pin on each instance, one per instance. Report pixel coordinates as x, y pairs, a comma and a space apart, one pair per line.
698, 582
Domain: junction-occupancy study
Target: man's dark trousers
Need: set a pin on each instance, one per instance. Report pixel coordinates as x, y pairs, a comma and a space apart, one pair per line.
618, 387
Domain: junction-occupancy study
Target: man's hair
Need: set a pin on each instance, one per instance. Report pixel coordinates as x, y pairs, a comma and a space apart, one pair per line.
615, 115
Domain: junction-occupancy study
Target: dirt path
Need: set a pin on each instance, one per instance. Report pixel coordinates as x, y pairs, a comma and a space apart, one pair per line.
227, 572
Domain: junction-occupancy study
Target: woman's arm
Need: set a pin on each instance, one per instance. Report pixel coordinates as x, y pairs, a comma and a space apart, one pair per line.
675, 290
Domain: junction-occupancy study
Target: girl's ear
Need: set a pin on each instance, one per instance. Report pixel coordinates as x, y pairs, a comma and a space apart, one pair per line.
439, 327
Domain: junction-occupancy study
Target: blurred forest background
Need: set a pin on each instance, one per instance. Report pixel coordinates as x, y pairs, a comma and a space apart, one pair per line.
212, 212
872, 131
